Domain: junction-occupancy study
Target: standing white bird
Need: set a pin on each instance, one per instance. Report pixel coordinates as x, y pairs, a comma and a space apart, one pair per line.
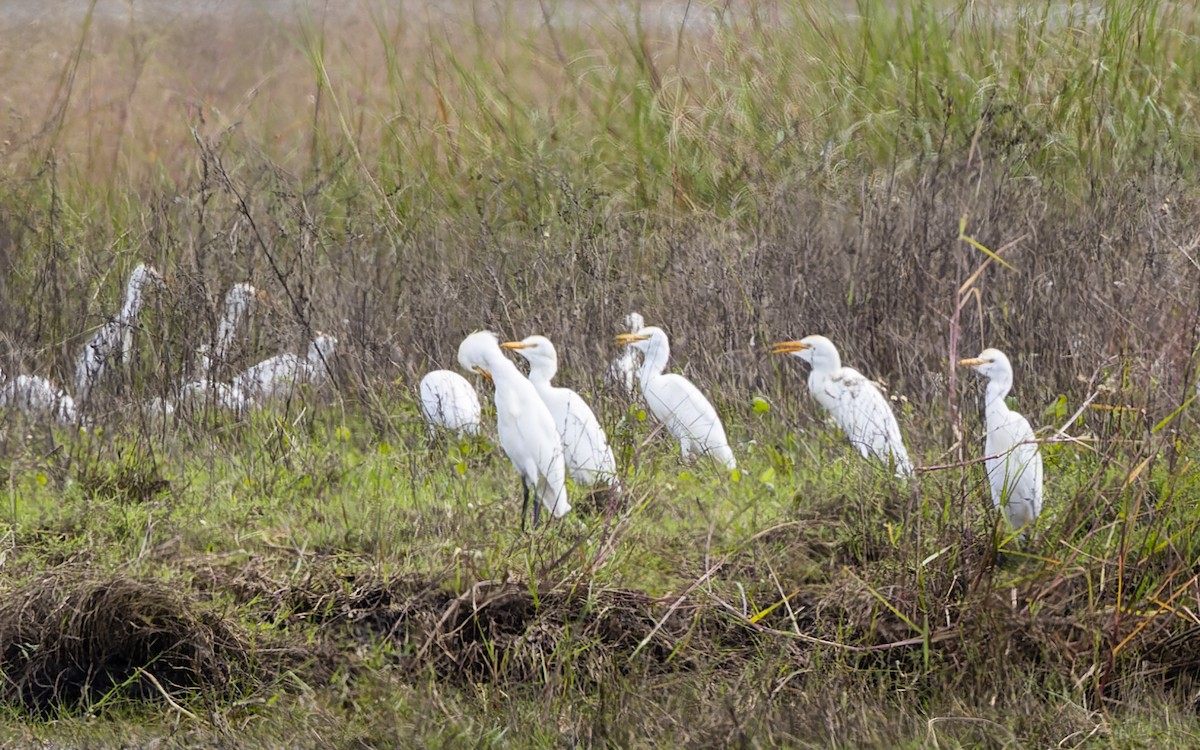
112, 345
205, 390
625, 367
449, 402
525, 425
39, 397
858, 407
277, 376
677, 403
589, 458
1012, 459
239, 304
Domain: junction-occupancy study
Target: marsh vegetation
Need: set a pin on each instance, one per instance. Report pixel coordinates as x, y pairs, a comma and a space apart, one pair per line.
914, 180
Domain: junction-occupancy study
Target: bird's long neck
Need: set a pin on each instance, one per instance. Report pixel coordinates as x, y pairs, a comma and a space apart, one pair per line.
503, 371
133, 301
316, 357
227, 331
654, 360
824, 367
541, 371
997, 390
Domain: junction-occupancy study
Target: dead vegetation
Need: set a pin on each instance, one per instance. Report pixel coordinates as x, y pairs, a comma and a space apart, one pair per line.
74, 642
71, 641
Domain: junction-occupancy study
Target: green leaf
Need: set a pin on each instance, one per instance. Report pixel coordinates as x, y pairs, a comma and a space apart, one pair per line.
767, 476
760, 405
1058, 408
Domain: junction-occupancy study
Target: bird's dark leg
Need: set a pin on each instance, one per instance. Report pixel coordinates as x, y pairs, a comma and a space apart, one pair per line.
525, 503
537, 512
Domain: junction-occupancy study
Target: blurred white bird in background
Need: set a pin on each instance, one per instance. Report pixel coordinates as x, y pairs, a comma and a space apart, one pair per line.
240, 301
205, 391
677, 403
859, 408
589, 458
112, 345
625, 367
276, 377
524, 424
38, 397
1012, 459
449, 402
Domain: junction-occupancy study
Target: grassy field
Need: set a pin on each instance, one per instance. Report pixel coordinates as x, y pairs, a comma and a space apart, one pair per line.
916, 180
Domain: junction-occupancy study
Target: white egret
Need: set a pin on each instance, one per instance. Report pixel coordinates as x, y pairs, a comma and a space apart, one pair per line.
589, 458
205, 391
112, 344
1012, 459
525, 425
625, 367
449, 402
239, 304
855, 403
275, 377
677, 403
38, 397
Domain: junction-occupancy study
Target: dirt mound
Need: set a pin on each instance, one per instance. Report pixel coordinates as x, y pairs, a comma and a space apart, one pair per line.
494, 631
75, 642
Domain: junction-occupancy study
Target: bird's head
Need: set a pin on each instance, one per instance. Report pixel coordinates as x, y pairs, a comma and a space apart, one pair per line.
990, 363
476, 352
323, 346
145, 274
816, 350
644, 338
534, 349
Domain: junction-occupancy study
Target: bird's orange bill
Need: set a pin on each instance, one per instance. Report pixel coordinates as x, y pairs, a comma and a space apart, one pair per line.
972, 362
788, 347
483, 372
515, 345
625, 339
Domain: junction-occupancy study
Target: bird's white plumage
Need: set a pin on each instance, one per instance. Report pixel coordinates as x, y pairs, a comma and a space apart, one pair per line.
277, 376
855, 403
239, 304
450, 403
38, 397
589, 458
1012, 458
624, 368
112, 344
210, 394
524, 424
675, 402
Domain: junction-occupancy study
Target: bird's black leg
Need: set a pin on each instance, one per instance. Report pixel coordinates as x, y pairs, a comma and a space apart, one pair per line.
525, 503
537, 512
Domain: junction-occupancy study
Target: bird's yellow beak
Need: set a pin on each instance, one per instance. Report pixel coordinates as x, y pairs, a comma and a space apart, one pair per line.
484, 373
625, 339
515, 345
788, 347
972, 362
